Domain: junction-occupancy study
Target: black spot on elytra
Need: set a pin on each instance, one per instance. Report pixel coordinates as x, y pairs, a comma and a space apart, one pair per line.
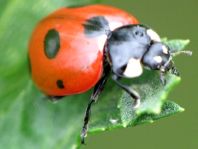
60, 84
52, 43
96, 26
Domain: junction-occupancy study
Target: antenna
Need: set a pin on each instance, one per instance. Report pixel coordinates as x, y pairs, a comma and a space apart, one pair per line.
189, 53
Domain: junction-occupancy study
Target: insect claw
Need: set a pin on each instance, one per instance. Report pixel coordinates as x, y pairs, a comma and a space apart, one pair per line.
136, 103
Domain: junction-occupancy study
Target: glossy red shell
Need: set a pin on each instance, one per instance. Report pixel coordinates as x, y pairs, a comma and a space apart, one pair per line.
79, 61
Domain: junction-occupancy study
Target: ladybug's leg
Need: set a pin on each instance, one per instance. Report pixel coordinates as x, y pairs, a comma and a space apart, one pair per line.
162, 77
175, 71
97, 90
129, 90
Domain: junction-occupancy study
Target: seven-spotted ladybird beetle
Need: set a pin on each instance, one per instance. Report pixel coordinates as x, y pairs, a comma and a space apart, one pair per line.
75, 49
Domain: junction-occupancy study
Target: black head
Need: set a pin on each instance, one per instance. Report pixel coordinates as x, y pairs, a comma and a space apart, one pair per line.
159, 57
130, 47
156, 56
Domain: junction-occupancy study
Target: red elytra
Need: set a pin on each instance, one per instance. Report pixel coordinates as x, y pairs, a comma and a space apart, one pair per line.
78, 64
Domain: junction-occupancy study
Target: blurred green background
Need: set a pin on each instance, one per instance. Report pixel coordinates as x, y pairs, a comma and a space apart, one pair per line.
173, 19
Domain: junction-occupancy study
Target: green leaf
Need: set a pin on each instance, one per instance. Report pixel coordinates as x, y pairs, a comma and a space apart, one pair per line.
153, 94
176, 45
29, 120
116, 105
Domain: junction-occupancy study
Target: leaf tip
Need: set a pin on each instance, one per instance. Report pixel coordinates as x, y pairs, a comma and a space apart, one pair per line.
187, 41
177, 79
181, 109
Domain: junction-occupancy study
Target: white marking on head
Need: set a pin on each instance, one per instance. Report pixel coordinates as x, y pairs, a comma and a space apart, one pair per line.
153, 35
113, 25
101, 41
158, 59
133, 68
165, 49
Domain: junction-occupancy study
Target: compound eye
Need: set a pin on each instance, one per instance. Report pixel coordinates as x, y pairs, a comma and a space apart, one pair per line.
140, 35
153, 35
138, 31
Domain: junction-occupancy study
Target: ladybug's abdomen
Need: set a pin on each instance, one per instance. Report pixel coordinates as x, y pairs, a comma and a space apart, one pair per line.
64, 59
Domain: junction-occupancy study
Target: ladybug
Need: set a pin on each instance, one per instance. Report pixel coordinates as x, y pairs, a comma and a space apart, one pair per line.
75, 49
